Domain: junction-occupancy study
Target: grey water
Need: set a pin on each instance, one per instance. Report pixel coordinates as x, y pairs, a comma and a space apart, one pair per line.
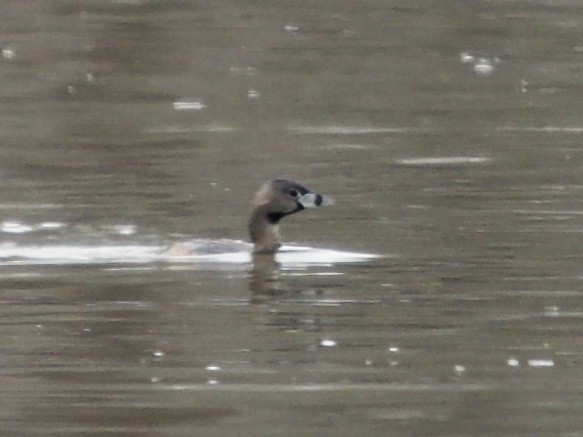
449, 133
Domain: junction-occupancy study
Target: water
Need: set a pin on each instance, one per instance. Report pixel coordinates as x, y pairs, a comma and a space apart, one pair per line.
449, 135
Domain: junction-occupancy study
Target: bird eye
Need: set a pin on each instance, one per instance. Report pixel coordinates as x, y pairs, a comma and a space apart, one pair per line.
293, 192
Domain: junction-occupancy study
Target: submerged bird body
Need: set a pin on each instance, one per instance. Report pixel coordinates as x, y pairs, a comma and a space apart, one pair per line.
275, 200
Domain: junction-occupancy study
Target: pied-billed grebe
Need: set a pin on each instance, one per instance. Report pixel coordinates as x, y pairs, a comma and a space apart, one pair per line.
275, 200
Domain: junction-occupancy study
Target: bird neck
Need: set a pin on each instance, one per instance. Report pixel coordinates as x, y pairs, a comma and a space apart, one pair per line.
264, 231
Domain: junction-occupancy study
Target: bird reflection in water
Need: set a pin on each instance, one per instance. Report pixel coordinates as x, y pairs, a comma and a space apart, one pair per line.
265, 278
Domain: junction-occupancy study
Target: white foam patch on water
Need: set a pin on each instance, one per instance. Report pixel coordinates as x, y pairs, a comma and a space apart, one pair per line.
288, 257
15, 228
189, 105
74, 254
298, 256
353, 146
445, 160
209, 128
123, 229
547, 212
483, 67
13, 254
547, 129
353, 130
541, 363
34, 206
369, 387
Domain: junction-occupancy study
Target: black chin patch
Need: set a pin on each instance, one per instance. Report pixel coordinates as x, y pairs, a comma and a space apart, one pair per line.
318, 200
275, 217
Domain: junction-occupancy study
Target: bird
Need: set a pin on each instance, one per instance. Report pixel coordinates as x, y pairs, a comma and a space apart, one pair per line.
276, 199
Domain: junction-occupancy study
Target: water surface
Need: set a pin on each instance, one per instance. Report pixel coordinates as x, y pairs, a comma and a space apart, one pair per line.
449, 134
